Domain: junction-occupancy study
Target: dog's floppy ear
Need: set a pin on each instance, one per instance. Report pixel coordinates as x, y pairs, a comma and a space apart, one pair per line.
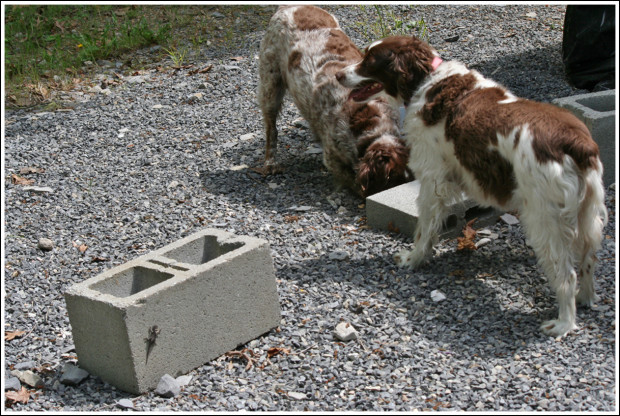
382, 167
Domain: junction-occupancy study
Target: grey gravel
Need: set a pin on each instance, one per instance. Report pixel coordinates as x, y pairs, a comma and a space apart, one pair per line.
168, 386
12, 383
73, 375
109, 158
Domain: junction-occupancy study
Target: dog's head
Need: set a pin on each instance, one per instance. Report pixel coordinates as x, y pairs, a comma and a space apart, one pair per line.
394, 66
383, 165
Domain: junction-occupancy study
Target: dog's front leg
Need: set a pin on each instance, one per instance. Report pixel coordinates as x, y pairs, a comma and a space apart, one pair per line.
432, 208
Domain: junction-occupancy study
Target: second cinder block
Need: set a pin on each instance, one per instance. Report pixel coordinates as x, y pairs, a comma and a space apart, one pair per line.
173, 309
597, 110
396, 209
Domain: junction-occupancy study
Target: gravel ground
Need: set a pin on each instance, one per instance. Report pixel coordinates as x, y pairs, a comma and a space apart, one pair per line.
137, 161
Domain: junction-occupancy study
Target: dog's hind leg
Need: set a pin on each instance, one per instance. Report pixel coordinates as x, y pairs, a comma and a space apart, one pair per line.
271, 92
592, 218
551, 232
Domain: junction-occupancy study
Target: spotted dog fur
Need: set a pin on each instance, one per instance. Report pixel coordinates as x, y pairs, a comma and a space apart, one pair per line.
301, 52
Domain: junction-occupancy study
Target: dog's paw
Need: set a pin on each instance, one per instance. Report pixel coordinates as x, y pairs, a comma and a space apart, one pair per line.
402, 258
557, 328
409, 259
269, 169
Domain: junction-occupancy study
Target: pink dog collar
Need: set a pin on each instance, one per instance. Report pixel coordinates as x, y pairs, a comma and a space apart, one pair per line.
436, 62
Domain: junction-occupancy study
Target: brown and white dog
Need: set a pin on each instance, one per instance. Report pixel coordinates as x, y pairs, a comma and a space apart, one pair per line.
301, 52
468, 133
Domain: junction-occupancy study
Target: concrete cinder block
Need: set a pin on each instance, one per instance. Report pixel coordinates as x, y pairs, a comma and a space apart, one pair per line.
198, 298
598, 112
396, 209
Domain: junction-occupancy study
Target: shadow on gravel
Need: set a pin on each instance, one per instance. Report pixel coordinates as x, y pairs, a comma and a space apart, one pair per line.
472, 321
532, 74
271, 192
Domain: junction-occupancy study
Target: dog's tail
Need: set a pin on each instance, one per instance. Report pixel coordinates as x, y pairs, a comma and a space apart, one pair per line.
592, 216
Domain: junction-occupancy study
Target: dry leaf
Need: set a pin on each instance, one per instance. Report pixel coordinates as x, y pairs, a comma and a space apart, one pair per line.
21, 396
14, 334
25, 171
200, 71
81, 248
18, 180
277, 350
392, 228
467, 241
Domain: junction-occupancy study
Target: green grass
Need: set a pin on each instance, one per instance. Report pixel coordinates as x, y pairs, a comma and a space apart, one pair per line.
382, 22
46, 46
41, 40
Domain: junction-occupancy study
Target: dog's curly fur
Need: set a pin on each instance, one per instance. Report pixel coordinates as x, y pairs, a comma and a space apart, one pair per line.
468, 133
302, 49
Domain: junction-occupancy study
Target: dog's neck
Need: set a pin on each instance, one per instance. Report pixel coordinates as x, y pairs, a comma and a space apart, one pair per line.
434, 65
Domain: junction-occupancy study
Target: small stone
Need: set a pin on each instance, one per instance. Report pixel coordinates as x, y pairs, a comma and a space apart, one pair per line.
345, 332
249, 136
38, 189
509, 219
12, 383
338, 255
125, 404
483, 242
313, 150
184, 380
543, 403
301, 123
137, 79
296, 395
157, 106
29, 378
73, 375
437, 296
238, 167
45, 244
26, 365
168, 386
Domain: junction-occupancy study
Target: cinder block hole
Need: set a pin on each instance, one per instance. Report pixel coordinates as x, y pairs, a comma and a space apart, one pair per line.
478, 212
201, 250
601, 103
450, 222
131, 281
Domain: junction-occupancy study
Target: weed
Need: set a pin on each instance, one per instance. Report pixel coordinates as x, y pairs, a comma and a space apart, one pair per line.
177, 55
383, 22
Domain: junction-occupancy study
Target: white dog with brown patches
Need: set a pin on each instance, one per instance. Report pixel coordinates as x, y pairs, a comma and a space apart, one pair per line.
301, 52
468, 133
